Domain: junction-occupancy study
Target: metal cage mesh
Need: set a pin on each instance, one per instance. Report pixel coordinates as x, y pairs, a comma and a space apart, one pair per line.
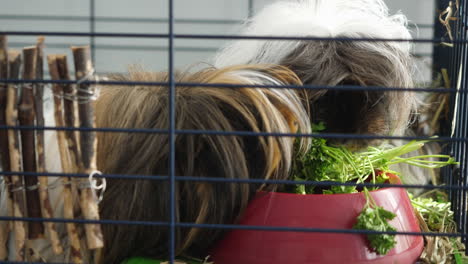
454, 59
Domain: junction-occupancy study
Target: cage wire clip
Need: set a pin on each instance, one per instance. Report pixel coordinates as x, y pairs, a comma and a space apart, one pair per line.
93, 184
90, 95
26, 86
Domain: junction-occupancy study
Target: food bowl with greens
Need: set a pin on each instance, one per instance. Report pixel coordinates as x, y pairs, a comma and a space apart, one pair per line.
334, 214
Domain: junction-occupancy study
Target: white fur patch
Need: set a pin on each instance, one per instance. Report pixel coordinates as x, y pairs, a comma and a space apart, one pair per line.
312, 18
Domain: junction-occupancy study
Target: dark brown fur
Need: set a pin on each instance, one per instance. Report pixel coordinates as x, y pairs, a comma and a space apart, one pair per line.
360, 111
198, 108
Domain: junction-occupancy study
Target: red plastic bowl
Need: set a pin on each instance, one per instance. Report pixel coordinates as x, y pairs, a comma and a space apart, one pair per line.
338, 211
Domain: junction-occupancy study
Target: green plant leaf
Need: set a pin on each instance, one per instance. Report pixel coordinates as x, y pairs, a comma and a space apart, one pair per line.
376, 219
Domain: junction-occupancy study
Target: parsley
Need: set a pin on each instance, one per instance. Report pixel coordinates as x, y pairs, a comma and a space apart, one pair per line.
338, 164
374, 217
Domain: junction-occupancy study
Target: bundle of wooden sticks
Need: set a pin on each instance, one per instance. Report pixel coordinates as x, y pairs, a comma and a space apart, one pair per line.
26, 186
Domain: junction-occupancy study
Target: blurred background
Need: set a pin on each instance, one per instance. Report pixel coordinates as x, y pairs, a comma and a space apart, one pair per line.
149, 16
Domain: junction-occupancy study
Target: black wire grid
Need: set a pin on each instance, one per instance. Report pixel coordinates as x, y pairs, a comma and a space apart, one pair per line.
453, 59
456, 145
460, 150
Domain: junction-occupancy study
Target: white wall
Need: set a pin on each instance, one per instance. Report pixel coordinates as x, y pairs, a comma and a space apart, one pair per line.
419, 12
113, 54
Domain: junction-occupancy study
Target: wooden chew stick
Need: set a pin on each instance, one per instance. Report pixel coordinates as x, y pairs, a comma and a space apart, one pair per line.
46, 207
88, 145
70, 119
71, 114
4, 153
17, 186
72, 231
26, 116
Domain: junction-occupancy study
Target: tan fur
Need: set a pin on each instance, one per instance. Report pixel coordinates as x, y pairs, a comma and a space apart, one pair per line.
199, 108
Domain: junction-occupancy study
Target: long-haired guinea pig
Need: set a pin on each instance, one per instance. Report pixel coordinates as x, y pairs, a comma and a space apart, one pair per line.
342, 62
198, 155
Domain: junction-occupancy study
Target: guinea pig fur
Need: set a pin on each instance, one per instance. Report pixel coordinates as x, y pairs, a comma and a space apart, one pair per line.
221, 156
337, 62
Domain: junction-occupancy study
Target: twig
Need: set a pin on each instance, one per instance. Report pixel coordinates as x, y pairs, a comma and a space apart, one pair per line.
26, 116
5, 159
88, 145
72, 231
17, 186
46, 207
4, 153
449, 13
70, 113
443, 103
71, 118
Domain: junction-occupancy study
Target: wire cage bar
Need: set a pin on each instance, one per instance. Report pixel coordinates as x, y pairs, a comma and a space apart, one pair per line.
455, 138
455, 60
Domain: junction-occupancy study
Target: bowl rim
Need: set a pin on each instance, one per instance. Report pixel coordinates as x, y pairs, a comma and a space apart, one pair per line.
333, 194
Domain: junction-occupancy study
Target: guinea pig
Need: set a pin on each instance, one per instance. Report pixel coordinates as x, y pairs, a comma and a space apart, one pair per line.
326, 62
197, 155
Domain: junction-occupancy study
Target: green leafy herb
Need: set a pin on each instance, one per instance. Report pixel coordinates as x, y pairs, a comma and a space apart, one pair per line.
338, 164
376, 218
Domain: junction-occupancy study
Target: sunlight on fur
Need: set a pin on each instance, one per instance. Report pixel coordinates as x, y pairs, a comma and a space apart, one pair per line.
197, 108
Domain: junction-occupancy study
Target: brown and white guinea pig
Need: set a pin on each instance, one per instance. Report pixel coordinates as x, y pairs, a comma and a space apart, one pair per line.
332, 63
220, 156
